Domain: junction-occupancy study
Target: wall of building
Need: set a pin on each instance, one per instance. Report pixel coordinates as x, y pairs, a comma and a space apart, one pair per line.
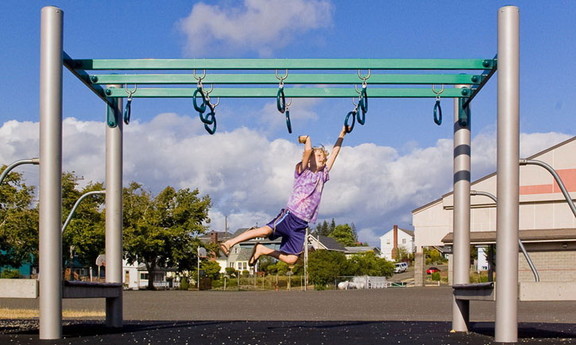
405, 241
551, 266
542, 205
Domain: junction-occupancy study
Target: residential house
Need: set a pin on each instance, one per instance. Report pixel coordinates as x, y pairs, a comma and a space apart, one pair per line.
394, 239
136, 277
351, 251
326, 243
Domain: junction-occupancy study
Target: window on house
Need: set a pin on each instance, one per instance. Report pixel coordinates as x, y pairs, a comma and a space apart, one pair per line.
144, 276
388, 241
403, 241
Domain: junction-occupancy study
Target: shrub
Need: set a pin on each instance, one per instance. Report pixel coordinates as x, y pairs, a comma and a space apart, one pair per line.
10, 274
436, 276
184, 284
230, 271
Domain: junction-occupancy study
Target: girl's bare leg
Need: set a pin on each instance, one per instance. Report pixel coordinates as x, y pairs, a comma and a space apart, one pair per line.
290, 259
263, 231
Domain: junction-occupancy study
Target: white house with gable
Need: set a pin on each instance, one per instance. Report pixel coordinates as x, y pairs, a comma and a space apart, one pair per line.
396, 238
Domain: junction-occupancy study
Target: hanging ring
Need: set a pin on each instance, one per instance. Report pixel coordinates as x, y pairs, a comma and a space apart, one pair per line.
281, 100
363, 100
202, 107
127, 108
437, 108
348, 127
210, 119
288, 123
437, 113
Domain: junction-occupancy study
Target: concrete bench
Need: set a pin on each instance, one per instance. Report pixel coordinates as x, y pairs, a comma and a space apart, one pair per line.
28, 288
18, 288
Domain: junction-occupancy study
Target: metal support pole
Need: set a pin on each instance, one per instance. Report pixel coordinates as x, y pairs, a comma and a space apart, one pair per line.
114, 213
50, 185
461, 218
507, 219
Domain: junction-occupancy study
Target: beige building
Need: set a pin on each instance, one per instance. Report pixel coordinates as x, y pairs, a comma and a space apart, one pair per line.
547, 223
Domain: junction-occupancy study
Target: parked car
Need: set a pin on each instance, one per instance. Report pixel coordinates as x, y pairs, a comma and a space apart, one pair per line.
400, 267
431, 270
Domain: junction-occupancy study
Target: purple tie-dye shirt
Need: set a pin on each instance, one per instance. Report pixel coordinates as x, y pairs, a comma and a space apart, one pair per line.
306, 194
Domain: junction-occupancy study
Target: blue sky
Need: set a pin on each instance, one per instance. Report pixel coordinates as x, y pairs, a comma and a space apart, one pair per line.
246, 166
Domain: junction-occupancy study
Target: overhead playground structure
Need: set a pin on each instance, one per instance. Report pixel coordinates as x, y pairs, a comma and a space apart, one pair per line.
457, 79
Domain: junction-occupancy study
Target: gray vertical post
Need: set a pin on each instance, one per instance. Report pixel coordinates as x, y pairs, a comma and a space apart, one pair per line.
51, 173
507, 220
461, 215
114, 213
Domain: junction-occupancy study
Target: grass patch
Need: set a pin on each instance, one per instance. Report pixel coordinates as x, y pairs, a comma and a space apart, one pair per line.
6, 313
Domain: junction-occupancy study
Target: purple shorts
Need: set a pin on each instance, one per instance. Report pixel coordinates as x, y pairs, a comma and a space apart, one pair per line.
292, 230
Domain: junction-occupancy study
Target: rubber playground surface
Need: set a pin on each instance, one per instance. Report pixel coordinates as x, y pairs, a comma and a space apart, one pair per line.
385, 316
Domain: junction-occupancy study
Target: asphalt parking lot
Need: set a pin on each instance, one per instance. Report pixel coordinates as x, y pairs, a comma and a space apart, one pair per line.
384, 316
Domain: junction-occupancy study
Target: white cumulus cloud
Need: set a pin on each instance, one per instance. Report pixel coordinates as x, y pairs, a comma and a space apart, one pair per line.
249, 177
256, 26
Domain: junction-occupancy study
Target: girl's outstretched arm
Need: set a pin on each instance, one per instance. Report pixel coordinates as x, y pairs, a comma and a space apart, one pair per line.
336, 149
301, 166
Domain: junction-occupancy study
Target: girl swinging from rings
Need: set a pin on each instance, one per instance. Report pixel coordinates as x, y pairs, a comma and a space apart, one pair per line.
309, 177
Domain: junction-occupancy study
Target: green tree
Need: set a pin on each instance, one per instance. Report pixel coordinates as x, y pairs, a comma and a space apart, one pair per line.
402, 254
433, 256
322, 229
18, 221
211, 269
369, 264
324, 266
345, 235
163, 231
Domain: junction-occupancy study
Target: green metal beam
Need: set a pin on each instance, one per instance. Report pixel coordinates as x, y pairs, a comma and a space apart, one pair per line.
486, 75
282, 64
308, 92
248, 79
68, 62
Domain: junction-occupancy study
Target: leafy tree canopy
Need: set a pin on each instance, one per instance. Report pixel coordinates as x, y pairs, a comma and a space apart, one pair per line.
84, 236
18, 221
324, 266
163, 231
